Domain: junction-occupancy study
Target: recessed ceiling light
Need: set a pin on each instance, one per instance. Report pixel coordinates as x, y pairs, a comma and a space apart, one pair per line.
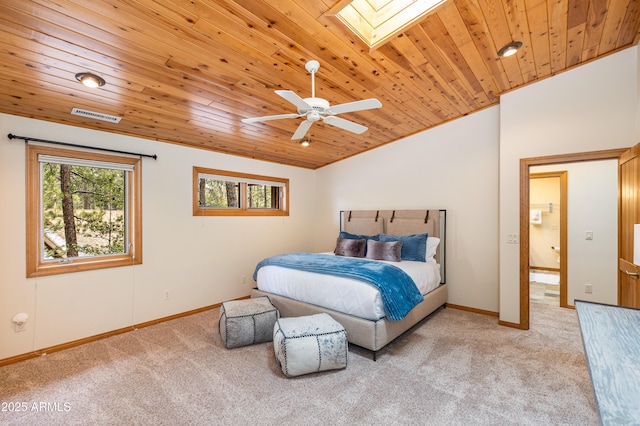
305, 143
509, 49
90, 80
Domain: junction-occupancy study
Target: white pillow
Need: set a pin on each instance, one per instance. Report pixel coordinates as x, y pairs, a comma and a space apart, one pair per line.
432, 247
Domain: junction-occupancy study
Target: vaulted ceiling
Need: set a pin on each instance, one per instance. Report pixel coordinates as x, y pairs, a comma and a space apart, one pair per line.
187, 71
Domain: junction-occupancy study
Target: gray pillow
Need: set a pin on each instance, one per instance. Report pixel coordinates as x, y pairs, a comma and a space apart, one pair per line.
350, 236
349, 247
378, 250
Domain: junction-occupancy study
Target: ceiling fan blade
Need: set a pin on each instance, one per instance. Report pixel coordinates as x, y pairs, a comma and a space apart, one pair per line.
269, 117
355, 106
345, 124
294, 99
301, 130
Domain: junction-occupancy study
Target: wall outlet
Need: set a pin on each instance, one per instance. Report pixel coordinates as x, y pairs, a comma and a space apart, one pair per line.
243, 279
588, 288
512, 239
588, 235
166, 295
18, 328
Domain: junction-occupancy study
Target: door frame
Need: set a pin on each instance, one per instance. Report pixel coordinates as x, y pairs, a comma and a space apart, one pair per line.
525, 164
626, 245
563, 229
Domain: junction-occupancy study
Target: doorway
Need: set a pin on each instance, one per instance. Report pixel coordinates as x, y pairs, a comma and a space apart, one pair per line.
525, 165
548, 238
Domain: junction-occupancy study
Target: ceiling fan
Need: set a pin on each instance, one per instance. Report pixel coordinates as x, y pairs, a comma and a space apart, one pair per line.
314, 109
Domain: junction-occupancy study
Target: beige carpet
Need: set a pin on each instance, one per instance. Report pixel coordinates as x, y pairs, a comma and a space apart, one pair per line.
455, 368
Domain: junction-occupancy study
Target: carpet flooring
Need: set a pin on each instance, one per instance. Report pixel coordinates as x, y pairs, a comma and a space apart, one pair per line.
455, 368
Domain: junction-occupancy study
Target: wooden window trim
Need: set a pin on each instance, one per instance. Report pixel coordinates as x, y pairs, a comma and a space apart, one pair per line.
243, 210
35, 265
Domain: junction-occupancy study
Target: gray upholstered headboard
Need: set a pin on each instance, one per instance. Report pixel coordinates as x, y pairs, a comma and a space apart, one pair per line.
399, 222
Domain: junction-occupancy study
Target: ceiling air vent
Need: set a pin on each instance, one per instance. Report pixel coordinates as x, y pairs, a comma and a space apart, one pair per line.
96, 115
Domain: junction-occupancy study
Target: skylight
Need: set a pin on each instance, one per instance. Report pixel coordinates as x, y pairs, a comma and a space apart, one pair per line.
376, 21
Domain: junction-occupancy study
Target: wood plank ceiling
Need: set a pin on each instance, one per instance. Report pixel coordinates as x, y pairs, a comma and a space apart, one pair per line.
187, 71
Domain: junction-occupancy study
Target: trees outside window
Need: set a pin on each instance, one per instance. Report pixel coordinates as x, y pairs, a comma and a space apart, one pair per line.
223, 193
83, 211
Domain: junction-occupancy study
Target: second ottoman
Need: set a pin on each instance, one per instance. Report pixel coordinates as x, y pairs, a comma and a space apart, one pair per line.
310, 344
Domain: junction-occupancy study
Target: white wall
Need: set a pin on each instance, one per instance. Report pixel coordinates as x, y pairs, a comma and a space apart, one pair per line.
590, 108
453, 167
592, 205
200, 260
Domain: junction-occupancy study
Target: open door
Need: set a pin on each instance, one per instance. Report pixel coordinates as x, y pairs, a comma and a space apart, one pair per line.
629, 218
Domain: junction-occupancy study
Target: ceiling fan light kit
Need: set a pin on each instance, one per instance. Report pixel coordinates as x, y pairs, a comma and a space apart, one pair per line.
314, 109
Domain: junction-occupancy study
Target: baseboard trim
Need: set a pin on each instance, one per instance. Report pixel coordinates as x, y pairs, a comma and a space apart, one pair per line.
474, 310
39, 352
543, 268
511, 324
483, 312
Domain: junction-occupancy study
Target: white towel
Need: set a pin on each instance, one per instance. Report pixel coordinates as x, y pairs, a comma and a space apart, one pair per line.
535, 217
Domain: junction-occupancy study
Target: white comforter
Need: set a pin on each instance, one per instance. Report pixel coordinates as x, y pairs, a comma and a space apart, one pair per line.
342, 294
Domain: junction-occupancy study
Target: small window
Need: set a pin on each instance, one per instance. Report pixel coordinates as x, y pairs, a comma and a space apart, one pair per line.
83, 211
222, 193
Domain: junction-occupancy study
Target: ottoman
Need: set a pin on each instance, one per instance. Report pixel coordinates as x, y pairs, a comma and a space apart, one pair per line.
309, 344
247, 321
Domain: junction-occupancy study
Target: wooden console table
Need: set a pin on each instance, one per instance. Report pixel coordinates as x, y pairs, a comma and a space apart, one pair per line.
611, 338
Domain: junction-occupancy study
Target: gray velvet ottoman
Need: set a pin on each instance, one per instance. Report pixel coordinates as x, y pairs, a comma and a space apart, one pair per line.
247, 321
310, 344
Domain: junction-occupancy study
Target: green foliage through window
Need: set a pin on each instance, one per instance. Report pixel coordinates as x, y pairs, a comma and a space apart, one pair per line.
263, 196
219, 193
224, 193
83, 210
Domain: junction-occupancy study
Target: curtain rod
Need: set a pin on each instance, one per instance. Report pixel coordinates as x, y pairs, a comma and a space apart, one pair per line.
27, 139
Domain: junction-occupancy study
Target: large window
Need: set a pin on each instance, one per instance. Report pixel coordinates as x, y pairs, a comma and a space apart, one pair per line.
222, 193
83, 211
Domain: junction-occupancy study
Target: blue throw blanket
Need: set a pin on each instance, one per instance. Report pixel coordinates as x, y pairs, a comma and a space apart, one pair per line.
399, 292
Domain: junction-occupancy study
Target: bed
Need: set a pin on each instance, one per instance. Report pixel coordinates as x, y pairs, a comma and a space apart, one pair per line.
358, 306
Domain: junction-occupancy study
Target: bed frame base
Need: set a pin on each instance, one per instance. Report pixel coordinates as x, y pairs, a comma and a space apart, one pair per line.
367, 334
374, 354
